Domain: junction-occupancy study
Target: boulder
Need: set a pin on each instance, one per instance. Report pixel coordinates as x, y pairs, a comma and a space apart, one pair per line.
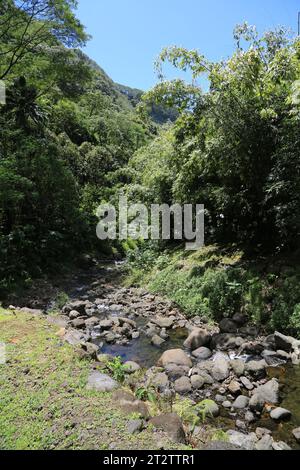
90, 349
246, 383
280, 414
196, 339
220, 370
228, 326
197, 382
101, 382
175, 356
296, 434
160, 381
285, 343
171, 424
175, 372
265, 443
128, 403
241, 402
74, 314
106, 324
210, 408
91, 322
157, 341
244, 441
234, 387
131, 367
220, 445
280, 446
269, 392
202, 353
134, 426
238, 367
226, 341
183, 385
256, 368
240, 319
78, 323
163, 322
76, 305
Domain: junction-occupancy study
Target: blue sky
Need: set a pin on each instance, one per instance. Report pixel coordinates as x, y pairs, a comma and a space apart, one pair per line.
129, 34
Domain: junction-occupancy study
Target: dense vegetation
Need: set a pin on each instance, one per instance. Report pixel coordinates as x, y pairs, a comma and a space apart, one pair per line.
70, 138
66, 133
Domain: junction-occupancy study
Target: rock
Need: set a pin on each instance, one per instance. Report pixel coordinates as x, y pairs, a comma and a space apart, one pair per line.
202, 353
74, 314
78, 323
157, 341
91, 322
175, 356
254, 348
208, 380
245, 441
110, 338
249, 331
134, 426
160, 381
220, 370
256, 368
265, 443
234, 387
249, 417
106, 324
91, 349
246, 383
183, 385
210, 408
77, 305
163, 322
261, 432
197, 382
285, 343
175, 372
280, 446
241, 402
279, 414
227, 404
101, 382
163, 334
127, 321
227, 326
238, 367
240, 319
131, 367
171, 424
196, 339
283, 355
135, 335
226, 341
220, 398
296, 434
240, 425
220, 445
269, 392
74, 337
128, 403
256, 403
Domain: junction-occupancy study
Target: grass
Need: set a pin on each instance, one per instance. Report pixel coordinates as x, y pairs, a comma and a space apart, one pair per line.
44, 403
215, 282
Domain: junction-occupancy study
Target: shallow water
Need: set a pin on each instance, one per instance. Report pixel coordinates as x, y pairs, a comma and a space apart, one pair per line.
142, 351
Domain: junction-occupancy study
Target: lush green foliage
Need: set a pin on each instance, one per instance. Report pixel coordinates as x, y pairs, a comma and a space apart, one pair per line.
216, 283
66, 133
236, 147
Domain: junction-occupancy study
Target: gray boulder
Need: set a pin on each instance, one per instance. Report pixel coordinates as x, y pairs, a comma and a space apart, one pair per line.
227, 326
183, 385
241, 402
101, 382
196, 339
245, 441
171, 424
202, 353
175, 356
280, 414
296, 434
220, 370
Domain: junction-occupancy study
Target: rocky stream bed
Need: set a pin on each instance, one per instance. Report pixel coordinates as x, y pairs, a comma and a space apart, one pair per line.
250, 382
